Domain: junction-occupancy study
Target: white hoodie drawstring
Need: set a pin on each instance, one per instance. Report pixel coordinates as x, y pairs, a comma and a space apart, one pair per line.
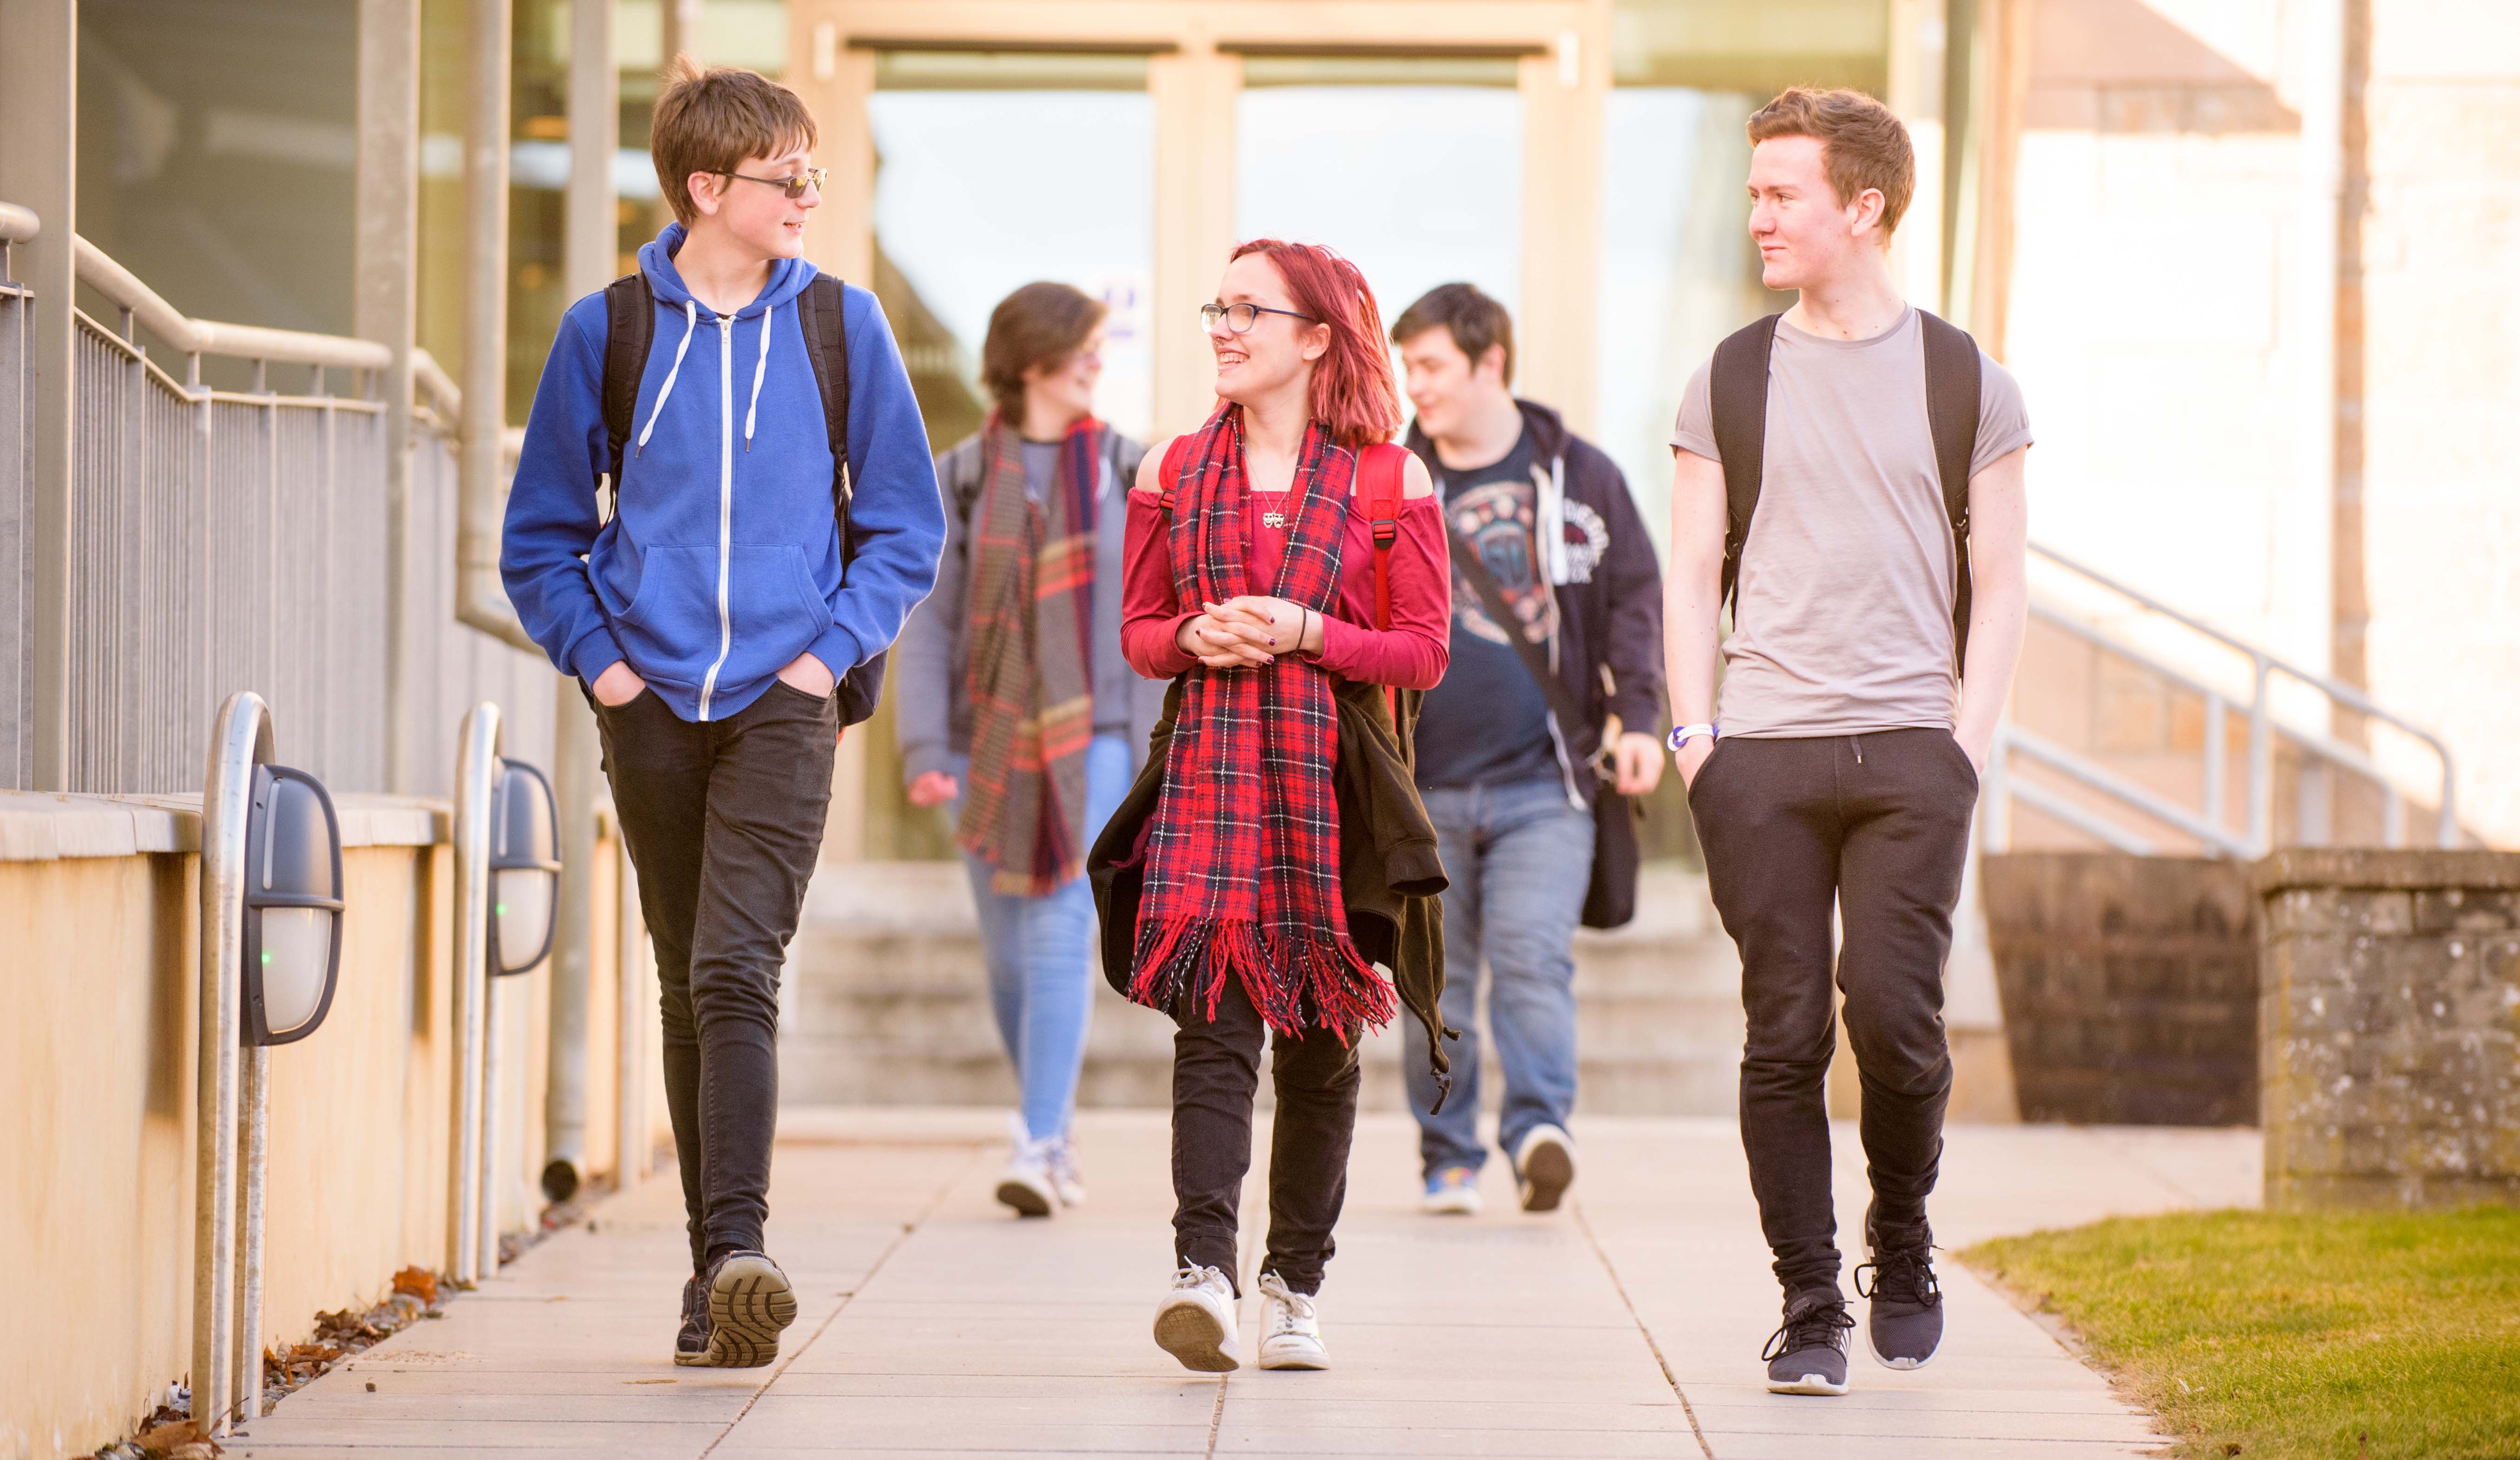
760, 365
690, 322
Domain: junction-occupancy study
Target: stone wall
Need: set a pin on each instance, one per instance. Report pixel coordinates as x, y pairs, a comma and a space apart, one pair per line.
2128, 983
2389, 1033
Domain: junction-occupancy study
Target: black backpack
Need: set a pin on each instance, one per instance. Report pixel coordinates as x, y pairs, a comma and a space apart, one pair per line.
1737, 389
630, 310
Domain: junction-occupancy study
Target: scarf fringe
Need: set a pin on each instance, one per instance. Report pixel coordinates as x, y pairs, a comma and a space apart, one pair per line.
1320, 983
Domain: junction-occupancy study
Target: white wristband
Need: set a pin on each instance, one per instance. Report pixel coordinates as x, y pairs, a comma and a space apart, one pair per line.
1680, 736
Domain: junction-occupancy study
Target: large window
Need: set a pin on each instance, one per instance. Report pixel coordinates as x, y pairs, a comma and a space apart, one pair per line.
1413, 169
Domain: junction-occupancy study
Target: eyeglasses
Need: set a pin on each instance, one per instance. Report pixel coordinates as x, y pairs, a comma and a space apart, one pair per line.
1239, 318
794, 186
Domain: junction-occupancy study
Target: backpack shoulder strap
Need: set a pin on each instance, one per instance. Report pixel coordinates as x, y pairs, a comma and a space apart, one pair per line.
629, 324
821, 312
1381, 482
1175, 455
1736, 397
1954, 378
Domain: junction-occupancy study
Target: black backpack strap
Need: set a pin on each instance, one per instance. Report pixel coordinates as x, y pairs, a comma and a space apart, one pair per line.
1736, 398
820, 313
630, 323
1953, 379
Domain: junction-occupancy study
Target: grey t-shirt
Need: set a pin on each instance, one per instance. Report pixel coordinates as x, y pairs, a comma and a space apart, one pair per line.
1843, 620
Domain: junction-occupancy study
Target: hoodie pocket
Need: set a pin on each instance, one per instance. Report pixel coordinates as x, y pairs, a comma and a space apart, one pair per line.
674, 623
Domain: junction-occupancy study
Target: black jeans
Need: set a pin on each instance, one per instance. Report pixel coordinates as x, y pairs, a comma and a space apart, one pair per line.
724, 821
1216, 1073
1878, 826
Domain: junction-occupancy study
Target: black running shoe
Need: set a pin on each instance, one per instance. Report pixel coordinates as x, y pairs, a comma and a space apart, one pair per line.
691, 1346
1906, 1324
750, 1301
1807, 1353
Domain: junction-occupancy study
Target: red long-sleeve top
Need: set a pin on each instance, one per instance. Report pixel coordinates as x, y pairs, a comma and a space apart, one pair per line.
1408, 655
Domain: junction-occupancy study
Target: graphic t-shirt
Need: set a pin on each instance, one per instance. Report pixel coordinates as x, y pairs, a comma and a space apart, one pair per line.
1487, 724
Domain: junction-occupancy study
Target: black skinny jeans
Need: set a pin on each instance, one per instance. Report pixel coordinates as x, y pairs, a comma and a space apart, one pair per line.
724, 821
1878, 826
1216, 1074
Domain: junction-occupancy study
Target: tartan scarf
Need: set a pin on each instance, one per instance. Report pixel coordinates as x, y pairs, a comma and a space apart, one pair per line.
1243, 864
1031, 670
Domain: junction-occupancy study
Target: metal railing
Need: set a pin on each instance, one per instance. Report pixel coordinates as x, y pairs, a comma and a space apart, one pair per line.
225, 540
2321, 754
17, 478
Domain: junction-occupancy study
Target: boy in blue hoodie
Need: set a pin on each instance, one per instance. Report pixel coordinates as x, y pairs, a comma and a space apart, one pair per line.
712, 622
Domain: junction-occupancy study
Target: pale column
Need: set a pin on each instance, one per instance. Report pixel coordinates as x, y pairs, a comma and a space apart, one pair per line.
39, 171
1917, 36
1563, 92
1194, 91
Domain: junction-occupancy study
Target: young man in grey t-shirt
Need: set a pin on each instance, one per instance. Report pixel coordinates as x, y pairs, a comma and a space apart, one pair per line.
1840, 770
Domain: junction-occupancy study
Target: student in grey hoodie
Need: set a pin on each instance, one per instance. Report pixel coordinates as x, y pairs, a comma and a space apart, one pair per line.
711, 621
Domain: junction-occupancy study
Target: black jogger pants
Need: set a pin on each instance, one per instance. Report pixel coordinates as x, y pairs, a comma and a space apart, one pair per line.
724, 821
1216, 1074
1877, 826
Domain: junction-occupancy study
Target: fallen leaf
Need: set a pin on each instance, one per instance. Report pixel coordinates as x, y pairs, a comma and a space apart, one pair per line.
419, 1282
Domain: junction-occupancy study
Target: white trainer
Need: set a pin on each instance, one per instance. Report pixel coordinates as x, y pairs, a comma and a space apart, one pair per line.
1195, 1322
1544, 1167
1063, 1175
1291, 1330
1029, 1183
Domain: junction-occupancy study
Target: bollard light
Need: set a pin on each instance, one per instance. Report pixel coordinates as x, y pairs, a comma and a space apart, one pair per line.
292, 905
524, 871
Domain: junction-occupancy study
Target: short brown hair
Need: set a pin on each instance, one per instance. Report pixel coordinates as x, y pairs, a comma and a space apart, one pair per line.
1476, 321
1038, 325
711, 118
1862, 144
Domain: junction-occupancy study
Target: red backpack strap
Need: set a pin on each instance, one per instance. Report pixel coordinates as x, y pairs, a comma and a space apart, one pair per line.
1380, 482
1174, 455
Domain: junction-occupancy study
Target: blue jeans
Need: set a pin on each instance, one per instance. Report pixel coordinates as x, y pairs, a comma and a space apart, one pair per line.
1519, 856
1040, 953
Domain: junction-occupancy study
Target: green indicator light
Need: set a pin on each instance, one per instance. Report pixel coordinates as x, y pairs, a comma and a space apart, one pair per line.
500, 908
266, 959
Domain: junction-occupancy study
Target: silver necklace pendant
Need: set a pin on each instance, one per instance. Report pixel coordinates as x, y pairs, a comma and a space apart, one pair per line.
1272, 519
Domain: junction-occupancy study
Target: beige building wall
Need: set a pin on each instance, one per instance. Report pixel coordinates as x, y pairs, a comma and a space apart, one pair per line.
2442, 426
98, 1059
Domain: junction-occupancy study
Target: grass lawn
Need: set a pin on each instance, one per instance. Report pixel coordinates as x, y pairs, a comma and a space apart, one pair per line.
2294, 1336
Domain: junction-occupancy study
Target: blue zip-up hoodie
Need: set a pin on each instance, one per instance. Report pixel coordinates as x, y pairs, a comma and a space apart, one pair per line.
723, 562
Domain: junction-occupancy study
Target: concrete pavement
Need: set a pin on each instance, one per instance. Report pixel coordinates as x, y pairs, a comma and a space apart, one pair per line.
935, 1324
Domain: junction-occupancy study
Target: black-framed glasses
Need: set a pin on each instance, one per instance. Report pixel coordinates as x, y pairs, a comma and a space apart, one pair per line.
1239, 318
794, 186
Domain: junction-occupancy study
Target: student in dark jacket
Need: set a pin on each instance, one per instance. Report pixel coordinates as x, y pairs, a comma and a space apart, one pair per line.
1251, 575
1510, 787
1014, 707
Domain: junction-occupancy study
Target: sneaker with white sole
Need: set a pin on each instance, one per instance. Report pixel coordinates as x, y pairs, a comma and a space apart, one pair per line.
1453, 1191
1544, 1167
1063, 1175
751, 1301
1807, 1353
1290, 1331
1195, 1322
1905, 1324
1027, 1184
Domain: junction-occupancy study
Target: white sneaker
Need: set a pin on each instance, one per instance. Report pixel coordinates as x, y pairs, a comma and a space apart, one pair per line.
1195, 1322
1028, 1184
1544, 1167
1453, 1191
1290, 1331
1063, 1175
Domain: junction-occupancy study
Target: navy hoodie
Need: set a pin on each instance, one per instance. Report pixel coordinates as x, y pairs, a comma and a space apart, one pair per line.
723, 563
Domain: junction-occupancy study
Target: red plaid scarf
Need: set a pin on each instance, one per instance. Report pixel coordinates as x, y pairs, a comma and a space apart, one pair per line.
1242, 866
1031, 663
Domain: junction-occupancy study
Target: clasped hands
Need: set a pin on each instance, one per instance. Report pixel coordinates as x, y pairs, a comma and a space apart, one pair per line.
1248, 632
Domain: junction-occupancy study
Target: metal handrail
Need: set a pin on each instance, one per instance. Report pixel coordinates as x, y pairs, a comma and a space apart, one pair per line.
98, 271
2264, 731
429, 378
19, 225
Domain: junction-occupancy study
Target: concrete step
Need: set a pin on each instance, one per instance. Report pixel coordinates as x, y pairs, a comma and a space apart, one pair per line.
885, 1002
